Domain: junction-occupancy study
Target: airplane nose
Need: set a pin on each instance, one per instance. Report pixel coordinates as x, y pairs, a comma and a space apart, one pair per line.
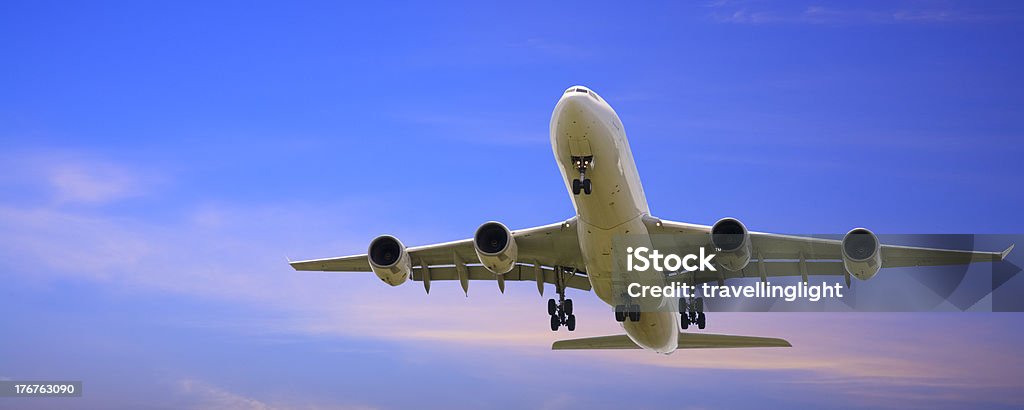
573, 102
576, 102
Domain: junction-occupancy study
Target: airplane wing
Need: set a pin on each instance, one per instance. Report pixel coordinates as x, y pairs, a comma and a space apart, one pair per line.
783, 255
686, 341
540, 249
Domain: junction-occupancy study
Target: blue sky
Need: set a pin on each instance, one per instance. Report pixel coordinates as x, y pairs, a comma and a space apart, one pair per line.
160, 160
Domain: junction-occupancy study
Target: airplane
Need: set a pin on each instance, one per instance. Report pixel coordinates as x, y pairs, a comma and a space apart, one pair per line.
597, 167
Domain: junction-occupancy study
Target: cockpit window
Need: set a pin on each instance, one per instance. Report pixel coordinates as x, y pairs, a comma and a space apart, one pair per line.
583, 90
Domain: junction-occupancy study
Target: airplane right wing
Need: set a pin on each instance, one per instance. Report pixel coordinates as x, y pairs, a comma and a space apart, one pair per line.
540, 250
789, 255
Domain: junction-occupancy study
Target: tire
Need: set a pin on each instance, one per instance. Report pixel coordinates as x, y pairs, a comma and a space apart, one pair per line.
685, 322
567, 307
576, 186
570, 323
586, 186
634, 316
701, 321
620, 313
699, 305
554, 323
552, 307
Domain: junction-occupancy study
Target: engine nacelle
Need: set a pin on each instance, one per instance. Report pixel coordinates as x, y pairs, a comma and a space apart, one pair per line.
732, 243
495, 247
389, 260
862, 256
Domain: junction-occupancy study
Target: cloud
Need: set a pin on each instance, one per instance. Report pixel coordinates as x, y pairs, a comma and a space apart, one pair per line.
206, 396
92, 183
234, 253
745, 12
478, 129
198, 395
76, 178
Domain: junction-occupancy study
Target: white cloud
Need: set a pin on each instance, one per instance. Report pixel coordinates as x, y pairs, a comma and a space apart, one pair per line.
92, 183
752, 13
200, 395
206, 396
75, 178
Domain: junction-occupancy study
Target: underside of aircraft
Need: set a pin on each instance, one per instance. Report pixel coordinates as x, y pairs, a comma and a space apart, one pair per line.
590, 147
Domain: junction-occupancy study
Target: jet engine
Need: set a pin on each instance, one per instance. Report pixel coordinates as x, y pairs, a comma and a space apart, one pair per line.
732, 243
389, 260
495, 247
862, 255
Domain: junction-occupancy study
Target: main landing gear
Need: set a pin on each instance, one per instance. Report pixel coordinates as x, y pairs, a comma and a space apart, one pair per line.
583, 183
692, 313
561, 310
561, 313
628, 310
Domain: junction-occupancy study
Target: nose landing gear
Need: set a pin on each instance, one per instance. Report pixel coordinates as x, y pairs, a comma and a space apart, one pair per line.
583, 183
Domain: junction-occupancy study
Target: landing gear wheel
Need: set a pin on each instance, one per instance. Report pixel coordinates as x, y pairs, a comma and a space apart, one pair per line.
561, 309
634, 313
692, 313
582, 165
620, 313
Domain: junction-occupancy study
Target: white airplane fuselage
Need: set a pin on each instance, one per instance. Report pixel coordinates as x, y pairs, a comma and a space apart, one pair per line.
584, 125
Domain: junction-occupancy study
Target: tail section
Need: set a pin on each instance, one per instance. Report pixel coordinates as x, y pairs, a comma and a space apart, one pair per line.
686, 341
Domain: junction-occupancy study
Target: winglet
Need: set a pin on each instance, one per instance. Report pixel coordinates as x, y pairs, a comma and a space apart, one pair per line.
1004, 254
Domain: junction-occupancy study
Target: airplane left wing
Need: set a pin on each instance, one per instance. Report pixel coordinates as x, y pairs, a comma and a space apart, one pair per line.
540, 250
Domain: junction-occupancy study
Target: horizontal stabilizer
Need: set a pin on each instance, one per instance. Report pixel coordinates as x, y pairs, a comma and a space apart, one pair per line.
686, 341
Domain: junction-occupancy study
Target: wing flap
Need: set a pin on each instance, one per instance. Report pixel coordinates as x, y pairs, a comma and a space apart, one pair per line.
772, 269
902, 256
521, 272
